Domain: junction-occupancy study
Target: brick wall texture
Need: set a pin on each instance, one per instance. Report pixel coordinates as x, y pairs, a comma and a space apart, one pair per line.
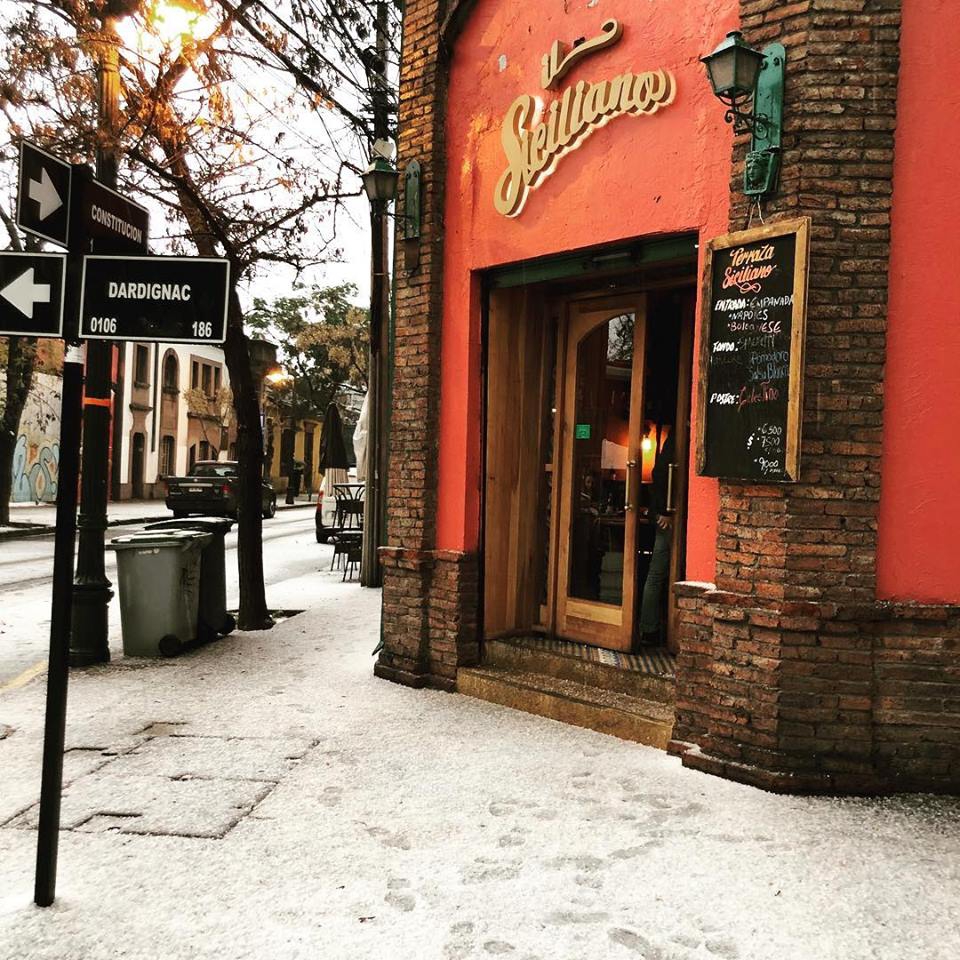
430, 597
791, 675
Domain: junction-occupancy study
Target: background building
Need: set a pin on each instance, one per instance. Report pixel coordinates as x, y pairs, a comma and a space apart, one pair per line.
174, 409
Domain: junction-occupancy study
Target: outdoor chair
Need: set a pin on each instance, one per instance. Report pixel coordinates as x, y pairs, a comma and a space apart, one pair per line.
343, 543
353, 557
349, 498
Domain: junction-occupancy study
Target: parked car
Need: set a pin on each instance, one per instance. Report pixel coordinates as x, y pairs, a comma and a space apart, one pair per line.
210, 489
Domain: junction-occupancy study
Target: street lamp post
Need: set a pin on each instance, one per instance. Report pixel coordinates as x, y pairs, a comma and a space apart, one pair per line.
91, 592
380, 184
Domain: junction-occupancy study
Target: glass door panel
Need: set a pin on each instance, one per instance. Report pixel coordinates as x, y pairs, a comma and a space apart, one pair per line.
598, 494
600, 453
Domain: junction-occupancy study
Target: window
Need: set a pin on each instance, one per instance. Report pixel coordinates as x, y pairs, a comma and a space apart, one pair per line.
193, 458
206, 374
194, 375
216, 470
170, 373
141, 374
204, 450
167, 468
216, 379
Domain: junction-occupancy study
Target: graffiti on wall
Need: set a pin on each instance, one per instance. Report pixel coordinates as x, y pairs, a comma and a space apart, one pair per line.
36, 456
35, 471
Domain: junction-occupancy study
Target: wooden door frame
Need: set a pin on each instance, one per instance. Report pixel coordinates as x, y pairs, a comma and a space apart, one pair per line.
682, 446
556, 308
603, 624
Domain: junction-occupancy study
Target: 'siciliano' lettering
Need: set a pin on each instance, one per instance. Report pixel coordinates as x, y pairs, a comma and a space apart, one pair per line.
534, 144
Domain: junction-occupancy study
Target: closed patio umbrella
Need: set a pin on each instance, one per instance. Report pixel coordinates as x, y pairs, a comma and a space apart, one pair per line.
333, 463
333, 448
360, 439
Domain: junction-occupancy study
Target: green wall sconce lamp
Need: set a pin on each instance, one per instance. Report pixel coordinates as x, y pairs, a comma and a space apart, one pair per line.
380, 179
741, 76
411, 215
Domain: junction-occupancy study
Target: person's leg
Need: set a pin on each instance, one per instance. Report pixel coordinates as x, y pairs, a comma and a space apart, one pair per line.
653, 586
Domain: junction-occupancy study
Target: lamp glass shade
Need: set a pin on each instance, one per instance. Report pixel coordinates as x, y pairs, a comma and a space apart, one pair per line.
733, 68
380, 180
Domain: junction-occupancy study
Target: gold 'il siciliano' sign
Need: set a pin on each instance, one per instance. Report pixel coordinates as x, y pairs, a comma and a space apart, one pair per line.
536, 138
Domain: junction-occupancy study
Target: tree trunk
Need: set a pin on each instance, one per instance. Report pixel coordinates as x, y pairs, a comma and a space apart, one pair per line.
21, 359
253, 603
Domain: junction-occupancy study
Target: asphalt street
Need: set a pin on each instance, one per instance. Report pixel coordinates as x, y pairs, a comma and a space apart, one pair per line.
290, 550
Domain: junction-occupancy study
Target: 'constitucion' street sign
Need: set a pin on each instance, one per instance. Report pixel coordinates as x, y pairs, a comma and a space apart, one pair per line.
43, 194
112, 221
31, 294
167, 299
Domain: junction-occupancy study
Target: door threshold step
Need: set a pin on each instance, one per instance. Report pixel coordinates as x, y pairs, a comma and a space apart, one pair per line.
583, 705
577, 662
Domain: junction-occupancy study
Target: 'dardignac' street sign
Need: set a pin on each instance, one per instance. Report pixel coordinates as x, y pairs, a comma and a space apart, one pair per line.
168, 299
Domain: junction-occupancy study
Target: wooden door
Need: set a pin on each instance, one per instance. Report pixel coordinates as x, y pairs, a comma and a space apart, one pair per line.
600, 433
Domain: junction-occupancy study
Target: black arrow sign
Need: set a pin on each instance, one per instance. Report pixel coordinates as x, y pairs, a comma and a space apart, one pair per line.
167, 299
31, 294
43, 194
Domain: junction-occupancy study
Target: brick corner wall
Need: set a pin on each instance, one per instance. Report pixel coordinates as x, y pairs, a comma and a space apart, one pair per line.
430, 597
791, 675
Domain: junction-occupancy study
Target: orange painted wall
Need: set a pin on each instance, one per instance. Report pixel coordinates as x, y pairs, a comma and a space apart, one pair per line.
635, 177
920, 488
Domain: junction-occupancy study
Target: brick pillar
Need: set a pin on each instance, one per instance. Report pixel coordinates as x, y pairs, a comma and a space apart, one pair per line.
775, 679
429, 598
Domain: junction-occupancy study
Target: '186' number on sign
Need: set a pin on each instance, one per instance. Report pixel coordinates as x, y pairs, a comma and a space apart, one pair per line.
203, 328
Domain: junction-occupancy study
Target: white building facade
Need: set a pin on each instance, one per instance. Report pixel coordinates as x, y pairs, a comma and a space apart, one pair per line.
172, 409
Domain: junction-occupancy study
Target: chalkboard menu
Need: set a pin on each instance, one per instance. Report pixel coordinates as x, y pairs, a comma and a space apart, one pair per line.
753, 321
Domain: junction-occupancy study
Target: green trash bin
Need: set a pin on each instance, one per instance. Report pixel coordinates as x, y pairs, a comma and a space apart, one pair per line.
159, 580
213, 616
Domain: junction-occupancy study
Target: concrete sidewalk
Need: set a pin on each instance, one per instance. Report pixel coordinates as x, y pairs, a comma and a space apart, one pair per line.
266, 797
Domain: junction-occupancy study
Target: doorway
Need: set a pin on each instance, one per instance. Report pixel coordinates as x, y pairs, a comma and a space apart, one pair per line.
587, 390
137, 466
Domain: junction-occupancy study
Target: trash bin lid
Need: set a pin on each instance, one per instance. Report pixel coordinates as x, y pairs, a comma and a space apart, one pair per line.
213, 524
178, 539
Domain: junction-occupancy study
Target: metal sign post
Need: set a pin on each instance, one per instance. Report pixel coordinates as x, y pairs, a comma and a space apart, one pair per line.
168, 299
54, 732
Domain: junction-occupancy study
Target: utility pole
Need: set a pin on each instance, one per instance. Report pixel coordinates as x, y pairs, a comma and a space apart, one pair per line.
377, 405
91, 593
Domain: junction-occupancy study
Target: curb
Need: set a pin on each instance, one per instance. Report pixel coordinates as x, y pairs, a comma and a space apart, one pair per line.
26, 532
42, 530
32, 531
